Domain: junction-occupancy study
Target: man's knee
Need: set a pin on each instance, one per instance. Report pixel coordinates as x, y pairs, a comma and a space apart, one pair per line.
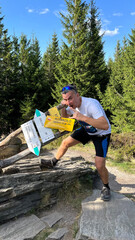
64, 143
100, 163
68, 142
100, 168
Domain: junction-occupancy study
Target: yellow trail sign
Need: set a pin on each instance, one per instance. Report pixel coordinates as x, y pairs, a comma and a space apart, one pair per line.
65, 124
54, 112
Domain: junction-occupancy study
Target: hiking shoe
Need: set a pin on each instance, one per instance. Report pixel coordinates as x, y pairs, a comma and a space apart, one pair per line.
47, 163
105, 194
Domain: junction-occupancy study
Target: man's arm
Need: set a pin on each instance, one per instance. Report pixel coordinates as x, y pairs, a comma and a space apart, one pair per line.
100, 123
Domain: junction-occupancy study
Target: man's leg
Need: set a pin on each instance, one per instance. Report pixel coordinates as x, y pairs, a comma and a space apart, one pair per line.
66, 143
101, 168
103, 172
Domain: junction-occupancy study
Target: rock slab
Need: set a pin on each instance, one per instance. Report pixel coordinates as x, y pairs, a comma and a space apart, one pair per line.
113, 220
58, 234
22, 228
23, 191
52, 219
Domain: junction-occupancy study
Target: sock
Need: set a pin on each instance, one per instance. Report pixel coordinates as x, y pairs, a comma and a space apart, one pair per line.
107, 185
54, 161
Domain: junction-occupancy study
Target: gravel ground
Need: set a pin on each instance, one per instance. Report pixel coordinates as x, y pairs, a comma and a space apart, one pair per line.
119, 181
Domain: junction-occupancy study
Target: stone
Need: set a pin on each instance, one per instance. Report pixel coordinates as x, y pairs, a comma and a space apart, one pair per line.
15, 207
22, 228
5, 194
58, 234
52, 218
37, 189
107, 220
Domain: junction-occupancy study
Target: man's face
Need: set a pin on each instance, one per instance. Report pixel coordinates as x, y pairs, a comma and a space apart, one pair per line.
71, 99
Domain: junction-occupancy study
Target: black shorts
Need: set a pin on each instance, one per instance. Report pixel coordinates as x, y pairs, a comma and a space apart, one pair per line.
101, 143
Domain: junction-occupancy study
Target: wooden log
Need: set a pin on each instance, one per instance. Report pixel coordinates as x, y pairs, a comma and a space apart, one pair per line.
19, 130
11, 135
11, 160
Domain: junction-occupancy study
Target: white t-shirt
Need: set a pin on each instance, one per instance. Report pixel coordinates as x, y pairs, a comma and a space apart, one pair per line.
91, 108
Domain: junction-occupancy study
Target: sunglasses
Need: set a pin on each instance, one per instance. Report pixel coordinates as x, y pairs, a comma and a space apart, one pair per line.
67, 88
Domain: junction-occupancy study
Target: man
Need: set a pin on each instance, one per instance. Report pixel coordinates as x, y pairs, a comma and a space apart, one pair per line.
95, 127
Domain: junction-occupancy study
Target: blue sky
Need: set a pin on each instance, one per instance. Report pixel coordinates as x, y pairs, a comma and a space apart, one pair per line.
41, 19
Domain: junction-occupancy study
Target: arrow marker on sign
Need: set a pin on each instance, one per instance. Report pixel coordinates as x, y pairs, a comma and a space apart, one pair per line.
38, 113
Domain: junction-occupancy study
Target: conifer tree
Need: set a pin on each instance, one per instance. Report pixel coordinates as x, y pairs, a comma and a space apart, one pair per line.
119, 97
129, 83
6, 78
24, 45
39, 83
49, 62
72, 67
98, 74
2, 81
15, 87
112, 98
32, 76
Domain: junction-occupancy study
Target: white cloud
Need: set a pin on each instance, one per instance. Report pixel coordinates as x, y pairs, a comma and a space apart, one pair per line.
30, 10
117, 14
44, 11
109, 32
132, 13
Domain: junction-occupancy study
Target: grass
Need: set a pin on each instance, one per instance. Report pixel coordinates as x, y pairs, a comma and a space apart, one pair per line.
115, 158
128, 167
74, 192
75, 229
43, 234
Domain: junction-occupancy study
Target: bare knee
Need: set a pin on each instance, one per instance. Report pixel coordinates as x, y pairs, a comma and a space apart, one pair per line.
100, 168
100, 164
69, 142
66, 143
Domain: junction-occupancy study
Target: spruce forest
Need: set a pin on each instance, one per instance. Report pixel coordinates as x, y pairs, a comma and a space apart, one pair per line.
29, 81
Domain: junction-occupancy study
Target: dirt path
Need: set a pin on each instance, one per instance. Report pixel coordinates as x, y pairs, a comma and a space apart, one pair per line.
119, 181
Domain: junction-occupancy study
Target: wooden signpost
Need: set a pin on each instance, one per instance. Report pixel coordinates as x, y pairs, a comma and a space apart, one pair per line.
33, 130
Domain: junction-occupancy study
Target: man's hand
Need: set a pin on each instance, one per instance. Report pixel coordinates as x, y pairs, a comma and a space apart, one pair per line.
63, 102
76, 115
100, 123
63, 110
